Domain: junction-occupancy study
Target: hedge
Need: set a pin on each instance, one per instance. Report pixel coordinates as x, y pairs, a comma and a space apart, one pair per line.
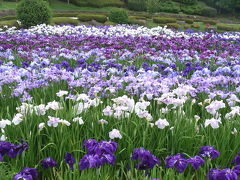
137, 5
119, 16
10, 23
109, 23
136, 21
89, 17
223, 27
7, 18
33, 12
99, 3
154, 6
65, 14
173, 25
162, 20
209, 12
189, 21
65, 20
187, 26
208, 21
137, 17
196, 26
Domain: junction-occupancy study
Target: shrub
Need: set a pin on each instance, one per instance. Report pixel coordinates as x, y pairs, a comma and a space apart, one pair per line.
159, 6
196, 26
187, 1
33, 12
208, 21
192, 9
209, 12
137, 21
118, 16
137, 5
187, 26
89, 17
99, 3
137, 17
224, 27
65, 14
6, 18
10, 23
163, 20
189, 21
173, 25
109, 23
65, 20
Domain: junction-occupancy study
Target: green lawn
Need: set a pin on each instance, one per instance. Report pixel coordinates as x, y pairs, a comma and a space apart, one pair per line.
7, 5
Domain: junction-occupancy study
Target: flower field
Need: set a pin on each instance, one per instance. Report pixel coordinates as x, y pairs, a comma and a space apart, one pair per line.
119, 102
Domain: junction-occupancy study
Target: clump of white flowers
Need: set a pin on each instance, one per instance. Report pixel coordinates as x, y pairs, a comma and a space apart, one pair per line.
115, 134
214, 106
162, 123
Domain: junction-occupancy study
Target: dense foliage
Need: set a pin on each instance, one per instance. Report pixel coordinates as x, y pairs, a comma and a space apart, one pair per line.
119, 16
137, 5
33, 12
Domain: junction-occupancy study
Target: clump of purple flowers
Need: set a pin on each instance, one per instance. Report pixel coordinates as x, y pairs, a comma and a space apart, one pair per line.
99, 154
48, 163
69, 159
145, 158
196, 162
26, 174
237, 170
11, 150
177, 161
217, 174
209, 152
236, 160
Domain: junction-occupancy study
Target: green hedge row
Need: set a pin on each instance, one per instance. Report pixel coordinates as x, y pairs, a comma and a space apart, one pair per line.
208, 21
65, 20
6, 18
163, 20
10, 23
65, 14
136, 21
173, 25
89, 17
99, 3
223, 27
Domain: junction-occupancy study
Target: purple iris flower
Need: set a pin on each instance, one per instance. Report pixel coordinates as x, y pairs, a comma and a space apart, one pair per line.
89, 161
236, 169
107, 159
99, 154
196, 162
64, 64
209, 152
228, 174
26, 174
145, 158
177, 162
105, 147
12, 150
17, 150
48, 163
69, 159
236, 160
213, 173
5, 148
89, 145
